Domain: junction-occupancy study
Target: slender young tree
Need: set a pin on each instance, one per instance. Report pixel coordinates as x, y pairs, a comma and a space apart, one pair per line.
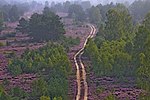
14, 14
23, 25
119, 24
1, 21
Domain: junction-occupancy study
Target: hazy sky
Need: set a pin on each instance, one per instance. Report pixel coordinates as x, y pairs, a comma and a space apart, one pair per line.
95, 1
92, 1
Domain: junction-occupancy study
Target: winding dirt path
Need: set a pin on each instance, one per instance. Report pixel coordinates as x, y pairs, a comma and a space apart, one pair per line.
82, 91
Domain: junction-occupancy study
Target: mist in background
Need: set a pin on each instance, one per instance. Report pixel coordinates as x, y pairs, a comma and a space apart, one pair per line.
109, 1
94, 2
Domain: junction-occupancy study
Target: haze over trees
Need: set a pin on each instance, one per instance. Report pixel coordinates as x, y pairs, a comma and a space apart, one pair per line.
94, 15
76, 12
14, 9
139, 9
12, 13
63, 7
104, 9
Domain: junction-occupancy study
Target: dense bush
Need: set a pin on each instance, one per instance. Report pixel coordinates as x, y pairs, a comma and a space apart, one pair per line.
52, 65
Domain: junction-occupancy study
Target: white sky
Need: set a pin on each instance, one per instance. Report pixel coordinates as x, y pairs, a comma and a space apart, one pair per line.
95, 1
92, 1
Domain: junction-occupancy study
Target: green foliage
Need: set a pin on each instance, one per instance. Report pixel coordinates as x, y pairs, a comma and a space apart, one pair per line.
144, 97
141, 36
119, 24
23, 25
44, 98
39, 88
1, 90
104, 9
110, 59
14, 13
76, 12
68, 42
110, 54
99, 41
18, 93
139, 43
3, 95
9, 35
143, 70
86, 4
58, 86
93, 52
57, 98
1, 21
139, 9
99, 90
142, 54
43, 27
14, 94
120, 51
15, 67
5, 82
1, 44
110, 97
52, 64
46, 4
94, 15
65, 6
50, 56
46, 26
146, 22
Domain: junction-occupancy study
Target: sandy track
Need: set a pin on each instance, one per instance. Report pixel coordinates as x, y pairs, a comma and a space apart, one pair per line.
82, 91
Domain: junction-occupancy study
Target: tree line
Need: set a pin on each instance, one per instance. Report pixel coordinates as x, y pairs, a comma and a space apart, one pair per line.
97, 14
12, 13
65, 6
